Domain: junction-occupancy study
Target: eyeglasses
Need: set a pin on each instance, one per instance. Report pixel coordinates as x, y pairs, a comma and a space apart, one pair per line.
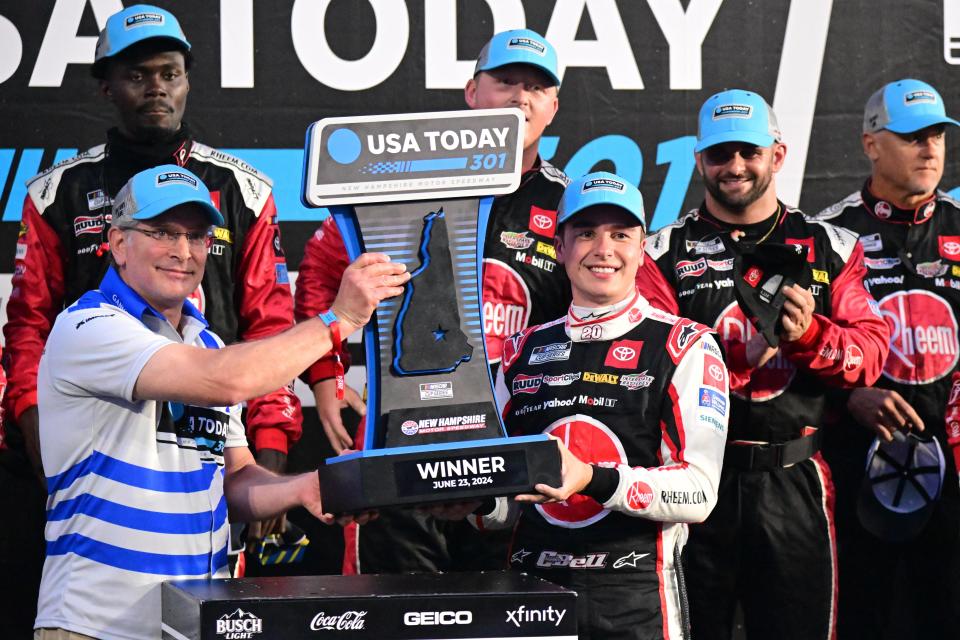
723, 153
196, 239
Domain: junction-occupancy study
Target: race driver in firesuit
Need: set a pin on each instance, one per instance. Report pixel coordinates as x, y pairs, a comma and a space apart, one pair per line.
639, 399
770, 542
142, 63
521, 286
910, 236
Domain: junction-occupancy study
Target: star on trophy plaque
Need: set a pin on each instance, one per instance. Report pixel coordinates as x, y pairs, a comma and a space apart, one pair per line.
419, 187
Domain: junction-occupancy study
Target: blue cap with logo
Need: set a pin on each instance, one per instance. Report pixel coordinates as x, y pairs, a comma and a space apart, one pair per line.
736, 115
519, 46
155, 191
600, 188
135, 24
904, 106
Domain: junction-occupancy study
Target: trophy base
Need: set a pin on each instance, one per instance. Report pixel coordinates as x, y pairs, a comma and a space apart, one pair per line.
448, 472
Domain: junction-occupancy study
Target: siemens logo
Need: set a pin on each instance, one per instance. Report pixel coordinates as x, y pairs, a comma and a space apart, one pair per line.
436, 618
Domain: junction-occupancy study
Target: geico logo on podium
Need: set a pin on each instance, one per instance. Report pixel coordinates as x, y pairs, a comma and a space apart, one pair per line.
433, 618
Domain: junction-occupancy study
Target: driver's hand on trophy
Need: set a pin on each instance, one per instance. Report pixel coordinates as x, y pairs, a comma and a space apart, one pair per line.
450, 510
758, 351
329, 407
884, 411
368, 280
575, 475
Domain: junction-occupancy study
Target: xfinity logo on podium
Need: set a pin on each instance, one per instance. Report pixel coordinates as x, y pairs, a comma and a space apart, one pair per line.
522, 615
433, 618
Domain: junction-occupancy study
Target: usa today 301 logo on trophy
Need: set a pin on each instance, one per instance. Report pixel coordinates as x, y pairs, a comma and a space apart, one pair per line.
419, 187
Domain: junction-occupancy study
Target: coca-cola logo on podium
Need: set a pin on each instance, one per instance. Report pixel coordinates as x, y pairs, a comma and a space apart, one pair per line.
346, 621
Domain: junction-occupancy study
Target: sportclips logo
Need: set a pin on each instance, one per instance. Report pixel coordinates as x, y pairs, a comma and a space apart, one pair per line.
239, 625
521, 616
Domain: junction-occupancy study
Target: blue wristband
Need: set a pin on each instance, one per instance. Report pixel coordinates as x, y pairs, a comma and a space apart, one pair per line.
328, 317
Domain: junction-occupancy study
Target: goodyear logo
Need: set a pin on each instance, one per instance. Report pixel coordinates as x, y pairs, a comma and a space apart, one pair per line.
732, 111
224, 235
528, 44
821, 276
171, 177
142, 19
920, 97
605, 184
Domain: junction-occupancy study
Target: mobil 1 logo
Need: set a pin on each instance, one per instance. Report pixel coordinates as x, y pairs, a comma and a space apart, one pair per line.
414, 156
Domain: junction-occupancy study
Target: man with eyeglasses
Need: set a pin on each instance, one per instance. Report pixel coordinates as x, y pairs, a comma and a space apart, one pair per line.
142, 442
769, 543
910, 236
142, 64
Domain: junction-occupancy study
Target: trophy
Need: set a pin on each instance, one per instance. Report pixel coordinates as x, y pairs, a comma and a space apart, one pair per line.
419, 187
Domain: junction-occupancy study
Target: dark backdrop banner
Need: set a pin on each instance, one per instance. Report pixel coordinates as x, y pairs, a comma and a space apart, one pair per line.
634, 74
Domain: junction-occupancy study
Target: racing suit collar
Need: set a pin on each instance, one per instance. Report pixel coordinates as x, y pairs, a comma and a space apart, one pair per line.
135, 156
583, 325
753, 233
119, 293
889, 212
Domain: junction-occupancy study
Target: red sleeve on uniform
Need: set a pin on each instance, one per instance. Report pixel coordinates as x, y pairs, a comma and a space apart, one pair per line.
849, 348
35, 301
274, 421
655, 288
324, 261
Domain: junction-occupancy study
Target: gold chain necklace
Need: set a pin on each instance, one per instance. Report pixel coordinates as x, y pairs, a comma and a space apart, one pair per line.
736, 234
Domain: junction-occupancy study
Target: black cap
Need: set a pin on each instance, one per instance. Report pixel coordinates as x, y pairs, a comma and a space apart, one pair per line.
901, 486
760, 272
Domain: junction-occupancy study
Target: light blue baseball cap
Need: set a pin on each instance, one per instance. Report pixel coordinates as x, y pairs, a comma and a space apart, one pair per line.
736, 115
601, 188
155, 191
136, 24
904, 106
519, 46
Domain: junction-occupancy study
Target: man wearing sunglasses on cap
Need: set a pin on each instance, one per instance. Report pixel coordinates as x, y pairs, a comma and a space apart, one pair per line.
769, 543
140, 429
910, 234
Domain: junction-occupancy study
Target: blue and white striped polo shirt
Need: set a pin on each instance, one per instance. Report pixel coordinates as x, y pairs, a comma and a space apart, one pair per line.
135, 487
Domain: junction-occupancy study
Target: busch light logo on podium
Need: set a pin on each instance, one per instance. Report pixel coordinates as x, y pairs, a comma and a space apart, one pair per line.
239, 625
364, 159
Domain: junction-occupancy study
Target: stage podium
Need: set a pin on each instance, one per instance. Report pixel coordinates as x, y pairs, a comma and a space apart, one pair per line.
396, 607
